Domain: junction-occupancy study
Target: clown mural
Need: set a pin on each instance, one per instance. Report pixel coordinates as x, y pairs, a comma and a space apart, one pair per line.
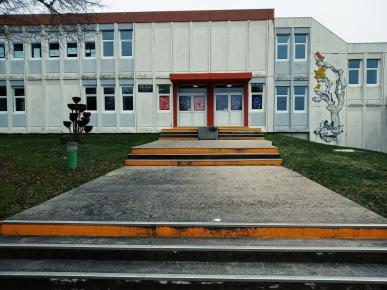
329, 130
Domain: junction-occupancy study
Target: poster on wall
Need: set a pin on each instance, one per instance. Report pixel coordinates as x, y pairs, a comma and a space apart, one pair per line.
199, 103
164, 103
236, 103
185, 103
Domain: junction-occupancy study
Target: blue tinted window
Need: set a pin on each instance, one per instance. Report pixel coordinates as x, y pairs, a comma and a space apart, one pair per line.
236, 103
126, 34
107, 35
372, 63
372, 77
126, 48
282, 38
282, 103
108, 49
282, 52
354, 63
221, 102
282, 90
299, 103
185, 103
256, 102
300, 51
299, 90
2, 50
300, 38
353, 77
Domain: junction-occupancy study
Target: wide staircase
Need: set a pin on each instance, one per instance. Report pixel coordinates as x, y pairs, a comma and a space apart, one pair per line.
184, 147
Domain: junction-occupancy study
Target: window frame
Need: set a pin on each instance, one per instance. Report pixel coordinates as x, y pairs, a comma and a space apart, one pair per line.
67, 50
13, 51
49, 50
164, 95
84, 50
257, 93
18, 97
5, 56
377, 73
91, 95
301, 43
126, 40
287, 100
282, 44
127, 95
109, 95
102, 45
297, 95
359, 70
6, 100
31, 51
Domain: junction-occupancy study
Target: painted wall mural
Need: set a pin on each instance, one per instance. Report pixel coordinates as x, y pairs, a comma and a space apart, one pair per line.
329, 129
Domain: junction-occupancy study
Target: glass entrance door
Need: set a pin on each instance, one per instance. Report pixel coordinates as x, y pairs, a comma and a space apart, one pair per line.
229, 109
192, 110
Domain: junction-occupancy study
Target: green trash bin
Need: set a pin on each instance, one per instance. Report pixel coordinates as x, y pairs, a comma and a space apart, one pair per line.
72, 151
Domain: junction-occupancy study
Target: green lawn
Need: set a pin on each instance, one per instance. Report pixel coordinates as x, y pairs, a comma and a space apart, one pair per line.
33, 167
360, 176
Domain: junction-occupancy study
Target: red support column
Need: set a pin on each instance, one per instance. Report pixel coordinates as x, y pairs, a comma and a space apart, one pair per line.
246, 104
210, 104
174, 105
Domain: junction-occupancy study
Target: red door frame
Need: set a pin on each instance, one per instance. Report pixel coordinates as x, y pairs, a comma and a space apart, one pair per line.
210, 79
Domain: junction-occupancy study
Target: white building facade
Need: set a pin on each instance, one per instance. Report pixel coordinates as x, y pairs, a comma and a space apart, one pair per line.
142, 72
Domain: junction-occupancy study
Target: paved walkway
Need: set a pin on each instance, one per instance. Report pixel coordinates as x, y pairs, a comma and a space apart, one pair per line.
253, 194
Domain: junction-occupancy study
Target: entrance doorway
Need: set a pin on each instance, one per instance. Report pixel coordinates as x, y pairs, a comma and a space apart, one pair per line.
192, 110
229, 109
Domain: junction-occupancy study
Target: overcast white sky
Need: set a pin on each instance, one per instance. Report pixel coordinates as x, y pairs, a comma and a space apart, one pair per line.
352, 20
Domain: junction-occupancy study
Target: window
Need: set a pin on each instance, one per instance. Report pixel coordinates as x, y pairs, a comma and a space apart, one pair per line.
108, 43
145, 88
282, 46
36, 50
90, 49
108, 93
372, 71
127, 98
282, 94
53, 50
19, 103
300, 46
164, 97
3, 99
354, 71
72, 49
126, 43
2, 50
18, 51
184, 103
299, 98
91, 98
256, 96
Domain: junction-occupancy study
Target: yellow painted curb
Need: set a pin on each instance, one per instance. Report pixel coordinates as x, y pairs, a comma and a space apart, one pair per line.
202, 150
136, 162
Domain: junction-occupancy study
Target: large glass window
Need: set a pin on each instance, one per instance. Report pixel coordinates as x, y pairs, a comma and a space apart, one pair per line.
90, 49
282, 46
3, 99
372, 71
19, 99
53, 49
300, 46
184, 103
108, 93
36, 50
282, 95
91, 98
72, 49
221, 102
354, 71
164, 96
256, 96
18, 50
2, 50
126, 42
127, 98
299, 98
108, 43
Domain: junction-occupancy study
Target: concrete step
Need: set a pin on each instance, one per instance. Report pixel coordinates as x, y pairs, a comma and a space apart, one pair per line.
203, 162
188, 150
208, 156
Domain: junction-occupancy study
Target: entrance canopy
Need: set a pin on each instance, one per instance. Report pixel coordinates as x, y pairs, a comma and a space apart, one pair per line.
210, 80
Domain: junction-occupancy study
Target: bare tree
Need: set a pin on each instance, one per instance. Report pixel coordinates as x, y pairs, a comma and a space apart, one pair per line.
22, 20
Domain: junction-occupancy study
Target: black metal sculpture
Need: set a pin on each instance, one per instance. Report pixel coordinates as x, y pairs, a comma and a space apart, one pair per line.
79, 119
